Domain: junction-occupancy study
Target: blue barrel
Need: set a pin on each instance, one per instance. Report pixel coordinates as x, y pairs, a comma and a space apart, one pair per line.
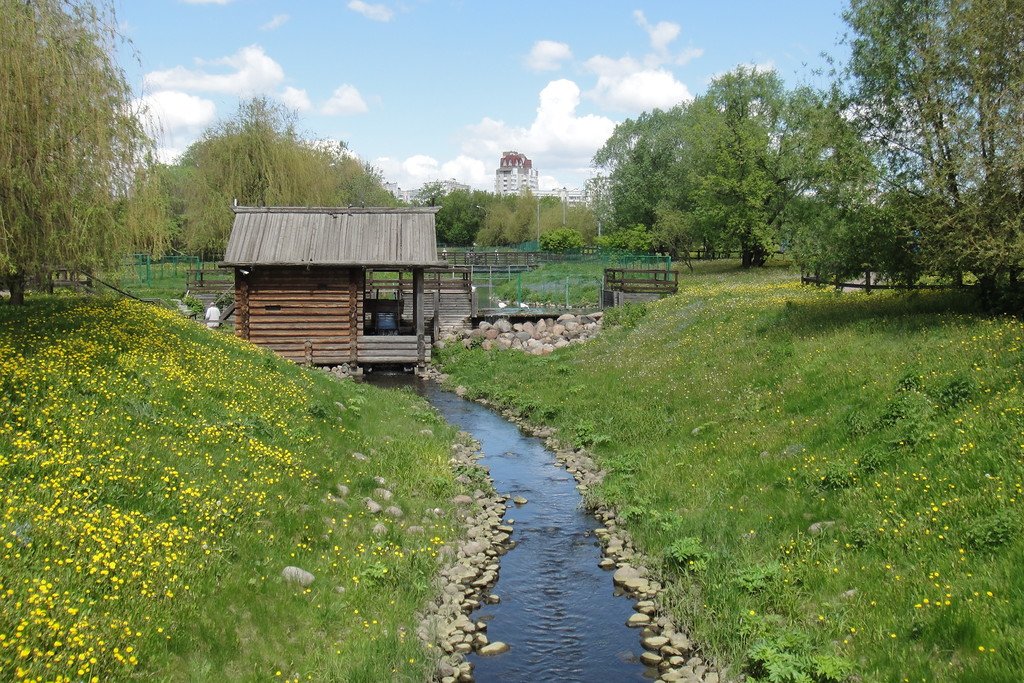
387, 323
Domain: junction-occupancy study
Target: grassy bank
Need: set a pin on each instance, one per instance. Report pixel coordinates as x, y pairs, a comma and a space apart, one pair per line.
157, 477
834, 479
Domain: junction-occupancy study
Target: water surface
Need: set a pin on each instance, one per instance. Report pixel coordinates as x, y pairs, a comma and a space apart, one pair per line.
558, 612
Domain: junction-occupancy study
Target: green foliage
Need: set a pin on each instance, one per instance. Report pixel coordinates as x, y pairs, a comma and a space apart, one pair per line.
687, 554
258, 158
758, 577
781, 659
562, 239
76, 185
636, 239
991, 531
627, 316
936, 84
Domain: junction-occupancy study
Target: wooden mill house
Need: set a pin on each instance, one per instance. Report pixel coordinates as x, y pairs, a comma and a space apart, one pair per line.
332, 286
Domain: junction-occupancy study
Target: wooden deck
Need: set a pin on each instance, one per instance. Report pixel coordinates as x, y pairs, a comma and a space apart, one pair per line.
397, 349
626, 285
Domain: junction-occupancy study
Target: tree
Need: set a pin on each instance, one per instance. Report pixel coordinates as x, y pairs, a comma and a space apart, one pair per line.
509, 219
641, 158
462, 212
73, 154
258, 158
939, 87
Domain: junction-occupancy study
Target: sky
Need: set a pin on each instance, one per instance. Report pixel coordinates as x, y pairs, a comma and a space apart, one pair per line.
429, 90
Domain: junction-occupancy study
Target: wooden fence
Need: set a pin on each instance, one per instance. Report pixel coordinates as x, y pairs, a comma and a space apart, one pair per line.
209, 280
632, 285
871, 281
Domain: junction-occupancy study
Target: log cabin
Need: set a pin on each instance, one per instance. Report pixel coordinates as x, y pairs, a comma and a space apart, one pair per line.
301, 278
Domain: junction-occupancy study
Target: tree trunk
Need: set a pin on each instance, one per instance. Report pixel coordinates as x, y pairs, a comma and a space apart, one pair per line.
754, 257
16, 283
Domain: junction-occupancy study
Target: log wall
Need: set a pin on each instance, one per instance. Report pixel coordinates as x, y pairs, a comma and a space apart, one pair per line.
312, 316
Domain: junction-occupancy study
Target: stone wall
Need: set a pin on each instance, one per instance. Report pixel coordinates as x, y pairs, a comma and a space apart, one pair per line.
539, 338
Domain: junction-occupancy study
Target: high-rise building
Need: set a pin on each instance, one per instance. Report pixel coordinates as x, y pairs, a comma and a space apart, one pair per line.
515, 174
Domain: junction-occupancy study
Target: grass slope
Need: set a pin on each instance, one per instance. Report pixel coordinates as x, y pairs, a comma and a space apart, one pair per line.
834, 479
156, 479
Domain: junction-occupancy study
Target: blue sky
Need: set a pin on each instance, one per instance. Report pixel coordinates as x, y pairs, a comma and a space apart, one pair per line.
436, 89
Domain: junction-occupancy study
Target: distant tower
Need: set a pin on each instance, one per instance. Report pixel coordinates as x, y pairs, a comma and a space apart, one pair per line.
515, 174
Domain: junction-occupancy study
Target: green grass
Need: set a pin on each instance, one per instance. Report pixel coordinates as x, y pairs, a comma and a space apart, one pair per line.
736, 415
156, 479
546, 284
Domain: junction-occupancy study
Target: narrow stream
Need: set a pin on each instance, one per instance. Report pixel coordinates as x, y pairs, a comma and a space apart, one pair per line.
557, 612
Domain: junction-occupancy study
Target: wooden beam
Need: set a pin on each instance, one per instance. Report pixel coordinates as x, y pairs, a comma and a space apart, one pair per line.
417, 314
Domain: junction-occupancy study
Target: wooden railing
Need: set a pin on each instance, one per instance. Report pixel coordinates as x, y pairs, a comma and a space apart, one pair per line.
640, 281
209, 280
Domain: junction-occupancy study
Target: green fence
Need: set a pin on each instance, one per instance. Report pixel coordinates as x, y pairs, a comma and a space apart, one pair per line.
142, 269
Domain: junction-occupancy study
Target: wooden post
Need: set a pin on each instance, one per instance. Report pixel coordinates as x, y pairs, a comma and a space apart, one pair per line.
242, 304
417, 314
435, 332
355, 286
867, 281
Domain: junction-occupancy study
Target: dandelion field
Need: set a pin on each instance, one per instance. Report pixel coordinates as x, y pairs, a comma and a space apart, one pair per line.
158, 476
835, 480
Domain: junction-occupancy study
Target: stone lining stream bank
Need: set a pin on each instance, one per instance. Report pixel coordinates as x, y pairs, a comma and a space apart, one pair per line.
556, 616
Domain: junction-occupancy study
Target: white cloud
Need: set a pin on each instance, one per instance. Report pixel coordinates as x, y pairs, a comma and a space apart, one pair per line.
175, 119
660, 34
251, 72
627, 85
557, 139
547, 55
415, 171
295, 98
370, 11
688, 55
345, 100
278, 21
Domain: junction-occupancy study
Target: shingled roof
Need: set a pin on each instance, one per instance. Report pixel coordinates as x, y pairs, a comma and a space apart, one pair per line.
332, 236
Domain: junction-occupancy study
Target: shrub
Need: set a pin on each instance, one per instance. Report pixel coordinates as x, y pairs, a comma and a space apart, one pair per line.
688, 554
562, 239
626, 316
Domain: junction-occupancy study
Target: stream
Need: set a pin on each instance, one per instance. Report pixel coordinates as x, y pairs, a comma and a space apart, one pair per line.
558, 611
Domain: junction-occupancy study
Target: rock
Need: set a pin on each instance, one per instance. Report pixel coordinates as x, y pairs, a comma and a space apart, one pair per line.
379, 529
654, 643
638, 620
850, 594
297, 575
394, 511
342, 490
380, 481
495, 648
519, 500
359, 456
415, 530
462, 500
373, 506
650, 659
625, 573
818, 527
383, 494
461, 390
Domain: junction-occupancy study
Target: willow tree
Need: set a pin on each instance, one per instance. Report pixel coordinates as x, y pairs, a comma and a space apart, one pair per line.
939, 85
258, 158
72, 151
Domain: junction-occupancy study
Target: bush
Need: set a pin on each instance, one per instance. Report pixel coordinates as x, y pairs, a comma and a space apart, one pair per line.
626, 316
562, 239
636, 238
